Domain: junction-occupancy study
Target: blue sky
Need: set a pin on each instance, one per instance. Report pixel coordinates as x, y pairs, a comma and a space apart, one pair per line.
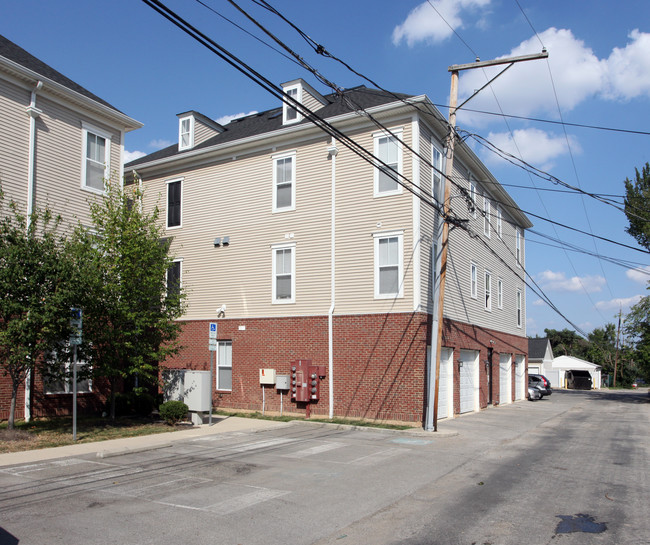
597, 73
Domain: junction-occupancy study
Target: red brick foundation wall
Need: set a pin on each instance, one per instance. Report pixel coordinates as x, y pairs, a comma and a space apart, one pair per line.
379, 361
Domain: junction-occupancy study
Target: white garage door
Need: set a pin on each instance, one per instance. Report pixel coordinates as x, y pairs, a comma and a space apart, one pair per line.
445, 388
520, 376
468, 380
505, 380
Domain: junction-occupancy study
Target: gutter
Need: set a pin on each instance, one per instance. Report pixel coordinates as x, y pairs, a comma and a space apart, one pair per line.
33, 113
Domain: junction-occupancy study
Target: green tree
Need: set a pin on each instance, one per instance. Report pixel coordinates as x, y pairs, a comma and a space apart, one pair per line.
35, 293
130, 317
566, 343
601, 349
637, 327
637, 206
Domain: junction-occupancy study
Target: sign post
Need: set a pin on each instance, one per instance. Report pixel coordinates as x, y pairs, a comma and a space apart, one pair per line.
212, 346
76, 322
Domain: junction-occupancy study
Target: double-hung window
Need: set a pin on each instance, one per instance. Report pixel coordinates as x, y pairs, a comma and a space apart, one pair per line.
97, 145
487, 216
472, 195
389, 152
488, 290
500, 293
174, 202
174, 278
224, 365
499, 222
185, 133
473, 280
284, 182
519, 308
436, 175
388, 265
284, 273
289, 112
518, 245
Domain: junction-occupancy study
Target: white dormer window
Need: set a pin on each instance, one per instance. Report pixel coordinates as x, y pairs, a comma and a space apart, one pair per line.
289, 113
185, 133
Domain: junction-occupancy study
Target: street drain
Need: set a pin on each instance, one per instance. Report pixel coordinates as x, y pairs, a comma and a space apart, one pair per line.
579, 523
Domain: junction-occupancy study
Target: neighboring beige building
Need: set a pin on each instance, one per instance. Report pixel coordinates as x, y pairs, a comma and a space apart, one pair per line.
298, 248
57, 144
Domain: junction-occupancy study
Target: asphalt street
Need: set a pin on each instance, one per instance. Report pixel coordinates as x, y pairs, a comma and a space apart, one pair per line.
571, 468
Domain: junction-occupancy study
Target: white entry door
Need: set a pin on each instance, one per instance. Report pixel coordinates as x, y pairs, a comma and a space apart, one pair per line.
505, 381
469, 383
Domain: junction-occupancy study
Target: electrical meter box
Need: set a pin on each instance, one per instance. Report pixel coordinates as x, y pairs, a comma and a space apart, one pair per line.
283, 382
305, 380
196, 390
267, 376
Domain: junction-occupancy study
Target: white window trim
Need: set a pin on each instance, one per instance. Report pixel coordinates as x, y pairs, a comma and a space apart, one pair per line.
500, 292
473, 280
400, 263
472, 193
518, 246
434, 172
519, 308
488, 290
499, 222
85, 129
167, 182
397, 133
276, 158
286, 107
190, 145
487, 212
219, 366
180, 273
284, 246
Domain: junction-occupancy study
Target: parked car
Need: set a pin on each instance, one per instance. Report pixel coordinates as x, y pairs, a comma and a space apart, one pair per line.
542, 383
533, 393
578, 380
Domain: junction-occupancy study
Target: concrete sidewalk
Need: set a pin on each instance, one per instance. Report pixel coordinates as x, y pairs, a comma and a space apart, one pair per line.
115, 447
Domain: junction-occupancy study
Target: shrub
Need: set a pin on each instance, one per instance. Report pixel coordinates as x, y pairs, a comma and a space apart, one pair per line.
173, 412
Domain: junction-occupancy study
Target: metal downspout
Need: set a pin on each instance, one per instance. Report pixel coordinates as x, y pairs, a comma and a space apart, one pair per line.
333, 152
33, 112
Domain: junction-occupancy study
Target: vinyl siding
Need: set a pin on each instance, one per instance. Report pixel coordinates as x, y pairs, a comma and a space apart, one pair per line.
493, 254
202, 132
59, 153
14, 138
234, 198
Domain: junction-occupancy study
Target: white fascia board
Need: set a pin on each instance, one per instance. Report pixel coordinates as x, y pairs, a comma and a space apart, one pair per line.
124, 120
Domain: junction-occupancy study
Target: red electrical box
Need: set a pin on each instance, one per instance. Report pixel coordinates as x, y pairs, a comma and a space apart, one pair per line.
305, 380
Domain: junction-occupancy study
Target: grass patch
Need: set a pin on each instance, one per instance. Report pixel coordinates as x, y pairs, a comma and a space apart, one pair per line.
57, 432
343, 421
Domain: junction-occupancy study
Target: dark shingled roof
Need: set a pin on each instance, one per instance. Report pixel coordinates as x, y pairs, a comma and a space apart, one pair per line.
537, 348
11, 51
271, 120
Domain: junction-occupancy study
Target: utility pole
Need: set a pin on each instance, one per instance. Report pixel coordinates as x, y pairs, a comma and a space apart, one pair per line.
449, 167
618, 334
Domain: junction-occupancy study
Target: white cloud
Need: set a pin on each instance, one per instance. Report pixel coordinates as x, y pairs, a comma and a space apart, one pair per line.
160, 143
577, 75
423, 24
539, 303
640, 275
618, 303
558, 281
532, 145
132, 155
628, 69
224, 120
